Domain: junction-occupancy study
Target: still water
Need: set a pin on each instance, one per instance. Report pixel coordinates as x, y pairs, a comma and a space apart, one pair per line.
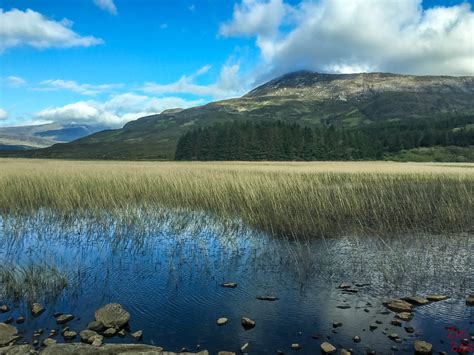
166, 269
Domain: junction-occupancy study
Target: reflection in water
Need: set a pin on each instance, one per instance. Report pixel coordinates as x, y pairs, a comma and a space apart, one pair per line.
165, 267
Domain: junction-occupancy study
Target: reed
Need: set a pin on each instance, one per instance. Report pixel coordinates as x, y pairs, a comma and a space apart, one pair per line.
283, 198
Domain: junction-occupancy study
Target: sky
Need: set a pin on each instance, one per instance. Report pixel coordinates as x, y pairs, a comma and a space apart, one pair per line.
108, 62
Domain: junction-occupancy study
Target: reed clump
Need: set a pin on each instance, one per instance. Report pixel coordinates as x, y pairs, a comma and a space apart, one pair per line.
283, 198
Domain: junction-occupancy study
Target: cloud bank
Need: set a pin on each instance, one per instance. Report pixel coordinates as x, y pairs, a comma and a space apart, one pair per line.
30, 28
359, 35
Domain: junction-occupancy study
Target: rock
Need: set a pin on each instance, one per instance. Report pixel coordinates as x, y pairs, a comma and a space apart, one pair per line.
107, 349
57, 314
357, 339
4, 308
248, 323
295, 346
229, 285
36, 309
378, 321
396, 323
97, 341
422, 347
343, 306
267, 298
121, 333
393, 336
222, 321
53, 333
109, 332
404, 316
20, 320
225, 353
398, 305
470, 300
436, 298
137, 335
344, 285
409, 330
416, 300
9, 320
64, 318
244, 348
49, 342
373, 327
336, 324
350, 290
96, 326
69, 335
345, 352
8, 334
112, 315
328, 348
88, 336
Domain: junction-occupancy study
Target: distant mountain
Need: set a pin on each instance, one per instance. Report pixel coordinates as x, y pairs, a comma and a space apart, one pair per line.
306, 98
41, 136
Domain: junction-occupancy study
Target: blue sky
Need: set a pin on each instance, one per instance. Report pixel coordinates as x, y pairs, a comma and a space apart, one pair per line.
110, 61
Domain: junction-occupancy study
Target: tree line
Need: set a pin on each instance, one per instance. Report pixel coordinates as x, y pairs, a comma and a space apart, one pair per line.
278, 140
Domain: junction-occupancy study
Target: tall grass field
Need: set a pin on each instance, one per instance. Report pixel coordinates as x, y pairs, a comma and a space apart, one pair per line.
300, 199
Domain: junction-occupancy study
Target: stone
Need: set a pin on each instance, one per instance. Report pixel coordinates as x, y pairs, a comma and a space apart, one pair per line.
350, 290
409, 330
416, 300
222, 321
244, 348
69, 335
345, 352
343, 306
57, 314
88, 336
267, 298
327, 348
344, 285
137, 335
96, 326
248, 323
36, 309
229, 285
357, 339
8, 334
373, 327
107, 349
109, 332
112, 315
49, 342
9, 320
225, 353
121, 333
4, 308
396, 323
398, 305
393, 336
295, 346
53, 333
470, 300
97, 341
378, 321
64, 318
336, 324
422, 347
436, 297
404, 316
20, 320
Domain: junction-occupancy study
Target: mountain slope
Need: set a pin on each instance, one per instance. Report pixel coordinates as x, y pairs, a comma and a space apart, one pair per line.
306, 98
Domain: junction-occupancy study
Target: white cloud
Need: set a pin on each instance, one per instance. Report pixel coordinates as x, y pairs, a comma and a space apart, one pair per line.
30, 28
358, 35
107, 5
3, 114
115, 112
229, 84
15, 81
84, 89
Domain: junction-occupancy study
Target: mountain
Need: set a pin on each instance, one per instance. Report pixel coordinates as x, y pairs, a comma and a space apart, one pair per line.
309, 99
41, 136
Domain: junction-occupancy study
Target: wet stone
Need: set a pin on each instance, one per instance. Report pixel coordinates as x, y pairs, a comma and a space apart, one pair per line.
244, 348
20, 320
343, 306
69, 335
222, 321
328, 348
267, 298
295, 346
36, 309
436, 297
248, 323
416, 300
96, 326
64, 318
404, 316
137, 335
396, 323
112, 315
9, 320
4, 308
422, 347
470, 300
8, 334
49, 342
229, 285
336, 324
409, 330
357, 339
398, 305
109, 332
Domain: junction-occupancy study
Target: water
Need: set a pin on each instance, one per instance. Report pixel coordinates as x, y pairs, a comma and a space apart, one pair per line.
166, 269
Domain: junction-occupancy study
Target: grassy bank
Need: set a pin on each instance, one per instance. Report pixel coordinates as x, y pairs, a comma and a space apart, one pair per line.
294, 198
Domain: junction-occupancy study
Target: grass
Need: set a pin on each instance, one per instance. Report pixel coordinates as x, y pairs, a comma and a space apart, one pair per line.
282, 198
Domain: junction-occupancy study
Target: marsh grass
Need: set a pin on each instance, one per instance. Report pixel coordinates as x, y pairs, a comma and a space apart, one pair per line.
299, 199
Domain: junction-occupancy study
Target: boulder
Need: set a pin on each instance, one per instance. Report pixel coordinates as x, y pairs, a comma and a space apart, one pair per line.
17, 350
36, 309
112, 315
327, 348
398, 305
8, 334
422, 347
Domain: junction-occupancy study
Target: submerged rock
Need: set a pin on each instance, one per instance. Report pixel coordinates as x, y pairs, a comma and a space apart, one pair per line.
436, 298
248, 323
64, 318
398, 305
328, 348
422, 347
343, 306
416, 300
36, 309
8, 334
336, 324
112, 315
357, 339
229, 285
